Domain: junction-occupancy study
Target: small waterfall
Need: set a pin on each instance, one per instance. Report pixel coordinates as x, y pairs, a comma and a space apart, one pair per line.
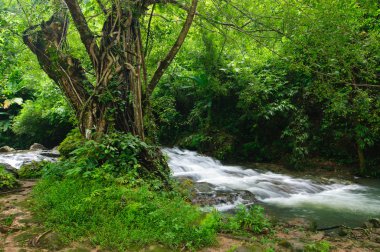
274, 189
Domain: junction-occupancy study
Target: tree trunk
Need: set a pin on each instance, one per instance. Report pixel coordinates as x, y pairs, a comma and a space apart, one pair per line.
114, 101
361, 157
117, 98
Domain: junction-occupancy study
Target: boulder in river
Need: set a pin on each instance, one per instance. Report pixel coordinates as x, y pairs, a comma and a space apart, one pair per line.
37, 146
6, 149
50, 153
9, 168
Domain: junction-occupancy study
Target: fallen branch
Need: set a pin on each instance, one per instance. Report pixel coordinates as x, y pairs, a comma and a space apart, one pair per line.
35, 241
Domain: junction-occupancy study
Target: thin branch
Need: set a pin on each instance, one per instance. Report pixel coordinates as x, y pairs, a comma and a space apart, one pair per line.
26, 15
364, 85
148, 33
164, 64
163, 17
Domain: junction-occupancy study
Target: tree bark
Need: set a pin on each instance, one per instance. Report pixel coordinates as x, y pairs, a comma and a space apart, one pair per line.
361, 158
114, 101
46, 42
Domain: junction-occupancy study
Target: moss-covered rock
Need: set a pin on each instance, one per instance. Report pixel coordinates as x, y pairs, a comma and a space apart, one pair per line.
32, 170
73, 140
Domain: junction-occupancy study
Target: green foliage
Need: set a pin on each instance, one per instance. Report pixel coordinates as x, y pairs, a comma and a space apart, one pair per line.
297, 135
22, 80
322, 246
7, 180
259, 81
72, 141
101, 192
216, 143
45, 120
32, 170
304, 85
113, 156
119, 217
246, 220
195, 142
105, 189
7, 221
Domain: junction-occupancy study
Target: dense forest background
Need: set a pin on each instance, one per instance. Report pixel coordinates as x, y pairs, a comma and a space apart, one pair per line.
295, 82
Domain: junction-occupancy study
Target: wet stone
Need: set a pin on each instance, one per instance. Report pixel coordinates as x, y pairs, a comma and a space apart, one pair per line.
224, 198
6, 149
37, 146
343, 232
367, 225
285, 243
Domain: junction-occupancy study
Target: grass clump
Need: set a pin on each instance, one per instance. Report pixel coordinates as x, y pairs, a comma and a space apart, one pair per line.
7, 180
118, 217
321, 246
246, 220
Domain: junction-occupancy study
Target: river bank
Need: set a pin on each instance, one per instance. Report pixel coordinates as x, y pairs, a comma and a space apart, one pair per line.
209, 176
20, 231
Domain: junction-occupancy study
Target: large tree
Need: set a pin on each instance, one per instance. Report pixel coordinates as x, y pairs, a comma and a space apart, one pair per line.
115, 97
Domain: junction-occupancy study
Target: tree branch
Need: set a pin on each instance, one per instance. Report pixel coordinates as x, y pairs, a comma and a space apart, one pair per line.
101, 5
148, 33
45, 42
86, 35
164, 64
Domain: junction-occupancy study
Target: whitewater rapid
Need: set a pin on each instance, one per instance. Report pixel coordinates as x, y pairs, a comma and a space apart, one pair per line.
284, 196
271, 188
18, 158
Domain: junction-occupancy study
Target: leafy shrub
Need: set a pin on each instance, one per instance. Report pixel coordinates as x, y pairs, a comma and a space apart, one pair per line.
115, 155
195, 141
72, 141
7, 180
45, 120
246, 219
217, 144
32, 170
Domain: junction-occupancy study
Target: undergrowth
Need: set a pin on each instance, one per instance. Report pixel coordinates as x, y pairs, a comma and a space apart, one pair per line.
246, 220
101, 193
118, 217
7, 180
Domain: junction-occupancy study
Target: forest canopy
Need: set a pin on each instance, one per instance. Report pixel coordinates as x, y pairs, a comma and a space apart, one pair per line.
275, 81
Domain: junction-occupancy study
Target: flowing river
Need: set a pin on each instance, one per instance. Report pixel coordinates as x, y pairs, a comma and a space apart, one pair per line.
328, 204
18, 158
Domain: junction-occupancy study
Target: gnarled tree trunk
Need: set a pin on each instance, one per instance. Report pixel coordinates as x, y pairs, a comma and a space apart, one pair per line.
114, 100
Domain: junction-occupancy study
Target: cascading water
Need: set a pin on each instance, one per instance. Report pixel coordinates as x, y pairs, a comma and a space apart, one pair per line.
18, 158
285, 196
